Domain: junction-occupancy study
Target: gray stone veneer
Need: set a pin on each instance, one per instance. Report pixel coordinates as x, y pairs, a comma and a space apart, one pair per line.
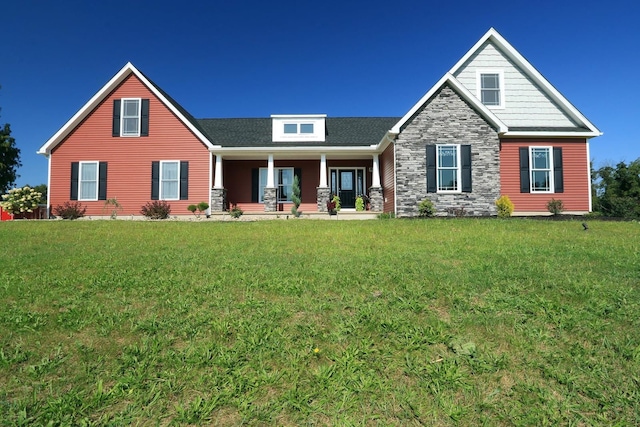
323, 194
447, 119
375, 199
218, 199
270, 204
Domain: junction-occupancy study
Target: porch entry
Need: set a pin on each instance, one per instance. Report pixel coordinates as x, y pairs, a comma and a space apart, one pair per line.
348, 183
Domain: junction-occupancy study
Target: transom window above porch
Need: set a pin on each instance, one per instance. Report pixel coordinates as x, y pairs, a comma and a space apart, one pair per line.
286, 128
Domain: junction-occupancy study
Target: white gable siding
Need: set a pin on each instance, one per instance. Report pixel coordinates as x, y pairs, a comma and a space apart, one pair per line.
525, 103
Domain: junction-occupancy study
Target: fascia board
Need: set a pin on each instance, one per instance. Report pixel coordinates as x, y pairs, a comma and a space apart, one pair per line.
531, 71
554, 134
464, 92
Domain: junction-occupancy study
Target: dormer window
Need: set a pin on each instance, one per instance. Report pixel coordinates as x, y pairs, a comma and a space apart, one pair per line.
298, 127
490, 85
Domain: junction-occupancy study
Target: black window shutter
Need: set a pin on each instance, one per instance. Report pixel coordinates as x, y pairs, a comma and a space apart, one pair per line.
155, 180
75, 167
144, 118
184, 180
102, 181
298, 172
558, 180
465, 160
431, 169
524, 170
116, 118
255, 176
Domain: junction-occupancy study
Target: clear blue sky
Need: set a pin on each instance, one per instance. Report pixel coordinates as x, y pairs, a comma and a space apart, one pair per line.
340, 58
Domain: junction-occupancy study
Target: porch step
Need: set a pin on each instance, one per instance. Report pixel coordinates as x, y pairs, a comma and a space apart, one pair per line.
256, 216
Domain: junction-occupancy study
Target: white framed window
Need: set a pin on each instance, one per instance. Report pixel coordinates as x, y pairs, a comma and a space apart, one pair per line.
130, 117
88, 181
170, 180
490, 84
283, 180
448, 172
298, 129
541, 169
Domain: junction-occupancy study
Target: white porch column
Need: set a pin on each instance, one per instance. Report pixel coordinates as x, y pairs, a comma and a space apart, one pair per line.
270, 173
376, 172
323, 170
217, 183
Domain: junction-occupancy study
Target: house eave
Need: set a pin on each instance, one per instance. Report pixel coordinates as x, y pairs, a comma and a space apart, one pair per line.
534, 134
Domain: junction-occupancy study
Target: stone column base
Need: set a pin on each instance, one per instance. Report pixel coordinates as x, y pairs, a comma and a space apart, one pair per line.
218, 200
323, 194
375, 199
270, 202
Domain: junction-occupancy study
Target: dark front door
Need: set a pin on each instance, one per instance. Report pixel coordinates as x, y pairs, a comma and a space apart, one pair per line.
347, 188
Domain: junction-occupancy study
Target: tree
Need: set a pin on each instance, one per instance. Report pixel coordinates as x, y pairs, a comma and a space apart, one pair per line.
9, 159
618, 190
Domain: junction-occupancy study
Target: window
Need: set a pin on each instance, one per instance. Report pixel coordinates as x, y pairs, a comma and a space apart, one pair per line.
130, 117
170, 180
448, 168
88, 183
283, 181
295, 128
541, 170
491, 88
541, 176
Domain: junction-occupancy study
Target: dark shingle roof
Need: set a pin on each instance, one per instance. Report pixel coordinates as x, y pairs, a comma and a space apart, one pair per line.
257, 132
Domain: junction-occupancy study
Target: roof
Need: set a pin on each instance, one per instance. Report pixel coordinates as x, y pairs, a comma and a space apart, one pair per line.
257, 132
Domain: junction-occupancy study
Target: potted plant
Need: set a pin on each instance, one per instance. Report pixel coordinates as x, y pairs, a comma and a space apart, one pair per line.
333, 205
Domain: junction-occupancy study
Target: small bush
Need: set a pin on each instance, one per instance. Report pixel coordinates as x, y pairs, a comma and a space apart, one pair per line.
555, 206
235, 211
21, 200
70, 210
158, 209
336, 200
359, 204
505, 207
426, 209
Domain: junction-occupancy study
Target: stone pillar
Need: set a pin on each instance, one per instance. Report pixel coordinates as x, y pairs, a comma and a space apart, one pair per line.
270, 202
323, 194
376, 200
218, 199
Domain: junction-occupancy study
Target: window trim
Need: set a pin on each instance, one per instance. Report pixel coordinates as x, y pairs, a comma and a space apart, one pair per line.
161, 180
298, 126
501, 86
123, 101
97, 183
458, 169
549, 169
262, 185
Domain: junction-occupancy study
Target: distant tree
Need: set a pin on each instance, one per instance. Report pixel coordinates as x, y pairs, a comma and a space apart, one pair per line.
9, 159
618, 190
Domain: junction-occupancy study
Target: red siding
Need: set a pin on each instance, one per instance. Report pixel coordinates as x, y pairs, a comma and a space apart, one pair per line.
129, 159
575, 173
387, 177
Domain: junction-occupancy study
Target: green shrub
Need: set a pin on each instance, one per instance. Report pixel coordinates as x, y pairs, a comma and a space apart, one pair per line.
359, 203
336, 200
21, 200
70, 210
555, 206
505, 207
158, 209
426, 209
295, 197
235, 211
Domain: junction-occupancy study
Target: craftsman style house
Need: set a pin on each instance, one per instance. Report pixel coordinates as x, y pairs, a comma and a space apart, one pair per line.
491, 126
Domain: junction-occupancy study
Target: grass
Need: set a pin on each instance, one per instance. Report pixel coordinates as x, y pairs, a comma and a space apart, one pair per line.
299, 322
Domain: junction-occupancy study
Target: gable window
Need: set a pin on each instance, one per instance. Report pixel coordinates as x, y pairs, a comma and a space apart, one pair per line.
301, 128
283, 182
541, 170
491, 88
88, 181
169, 180
290, 128
306, 128
448, 168
130, 117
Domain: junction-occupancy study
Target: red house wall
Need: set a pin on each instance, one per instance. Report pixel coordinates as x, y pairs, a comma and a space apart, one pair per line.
129, 158
576, 176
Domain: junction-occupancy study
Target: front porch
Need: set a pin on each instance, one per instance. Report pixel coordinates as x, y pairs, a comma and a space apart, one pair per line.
264, 186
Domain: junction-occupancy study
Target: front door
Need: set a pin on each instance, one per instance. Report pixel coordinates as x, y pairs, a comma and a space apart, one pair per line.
347, 184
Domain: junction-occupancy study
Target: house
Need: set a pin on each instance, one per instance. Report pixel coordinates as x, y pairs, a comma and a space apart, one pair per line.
491, 126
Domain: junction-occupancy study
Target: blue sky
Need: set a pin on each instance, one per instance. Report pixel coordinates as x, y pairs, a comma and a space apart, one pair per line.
340, 58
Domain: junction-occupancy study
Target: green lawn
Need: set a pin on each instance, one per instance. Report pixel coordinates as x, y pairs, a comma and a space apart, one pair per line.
302, 322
